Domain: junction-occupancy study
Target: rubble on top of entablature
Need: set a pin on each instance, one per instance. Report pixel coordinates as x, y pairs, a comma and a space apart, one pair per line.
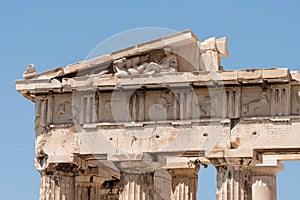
30, 72
151, 63
179, 52
211, 52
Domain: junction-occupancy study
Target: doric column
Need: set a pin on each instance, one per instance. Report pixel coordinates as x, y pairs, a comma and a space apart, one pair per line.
88, 187
233, 179
137, 186
137, 181
184, 183
264, 181
57, 185
162, 185
233, 183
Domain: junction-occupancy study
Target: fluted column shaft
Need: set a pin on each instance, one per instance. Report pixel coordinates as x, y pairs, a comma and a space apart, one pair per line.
184, 183
233, 183
137, 186
88, 187
57, 185
264, 182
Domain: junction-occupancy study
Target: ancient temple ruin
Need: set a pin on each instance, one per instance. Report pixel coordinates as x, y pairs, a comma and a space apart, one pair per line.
139, 123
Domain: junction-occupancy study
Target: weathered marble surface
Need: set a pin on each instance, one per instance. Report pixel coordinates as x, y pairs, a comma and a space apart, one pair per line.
127, 124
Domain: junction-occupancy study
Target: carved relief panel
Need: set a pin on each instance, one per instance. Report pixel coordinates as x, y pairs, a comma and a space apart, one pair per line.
255, 101
158, 105
203, 103
113, 106
157, 61
211, 102
62, 109
218, 102
104, 107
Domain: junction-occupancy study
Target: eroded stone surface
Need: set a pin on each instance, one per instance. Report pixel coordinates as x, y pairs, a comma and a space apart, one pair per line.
111, 127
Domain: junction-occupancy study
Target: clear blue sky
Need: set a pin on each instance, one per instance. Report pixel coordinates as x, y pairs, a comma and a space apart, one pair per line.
50, 34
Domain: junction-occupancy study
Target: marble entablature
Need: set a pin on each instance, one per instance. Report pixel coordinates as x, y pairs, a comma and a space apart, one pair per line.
127, 124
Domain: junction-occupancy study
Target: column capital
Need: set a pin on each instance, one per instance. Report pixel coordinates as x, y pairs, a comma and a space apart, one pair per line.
233, 177
184, 182
267, 169
60, 169
183, 171
233, 163
43, 164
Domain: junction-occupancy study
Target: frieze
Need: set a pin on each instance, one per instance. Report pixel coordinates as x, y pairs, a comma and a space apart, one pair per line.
280, 100
62, 109
255, 102
295, 100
